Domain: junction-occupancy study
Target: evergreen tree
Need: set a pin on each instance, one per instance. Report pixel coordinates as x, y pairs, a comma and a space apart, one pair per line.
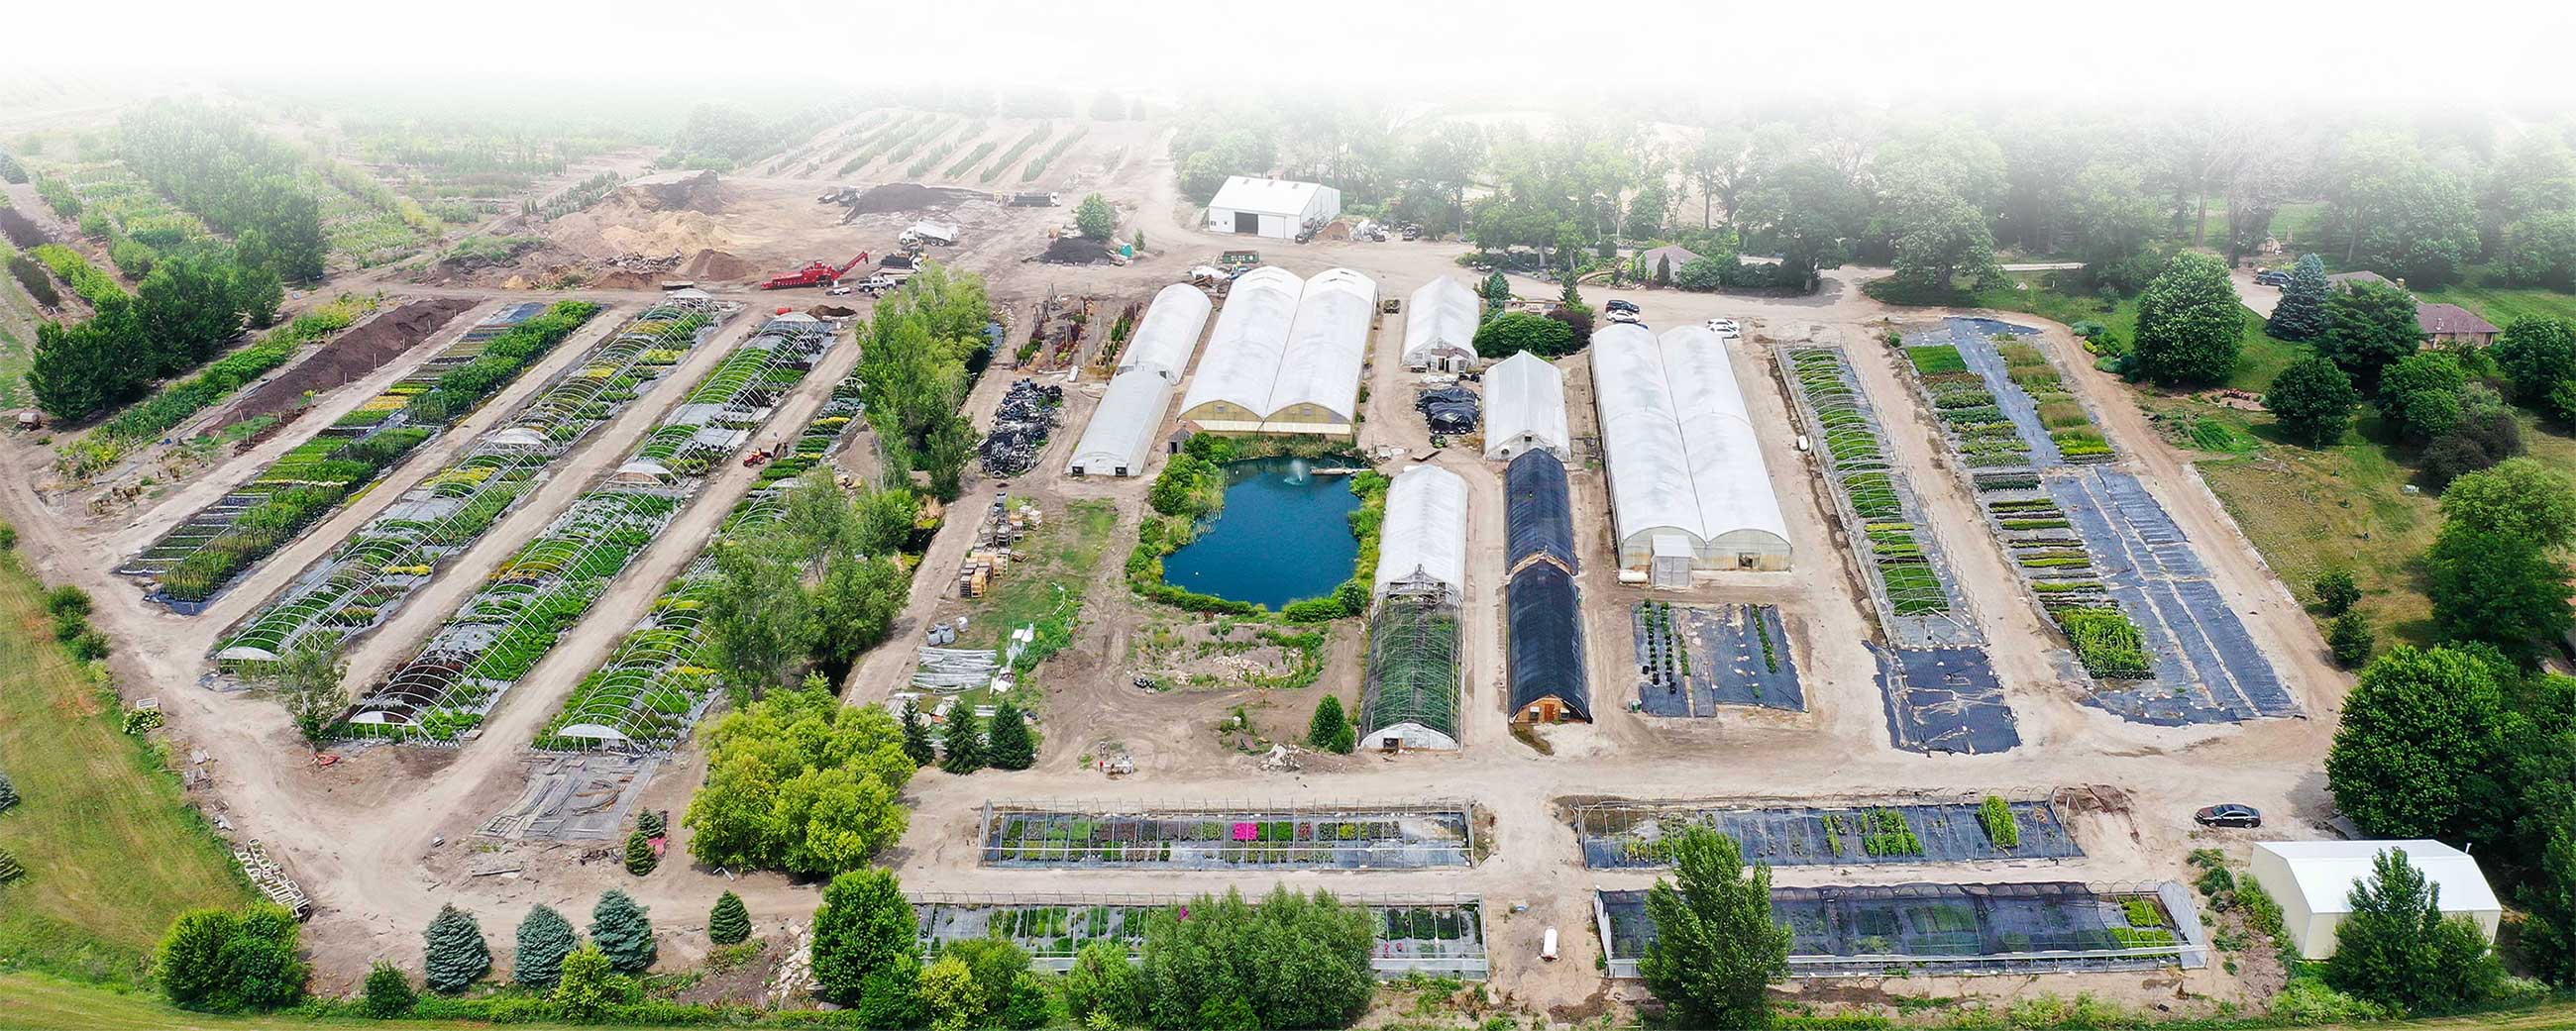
1497, 292
1330, 729
2369, 326
640, 859
454, 954
964, 740
8, 793
729, 923
545, 938
863, 935
916, 736
2351, 639
388, 993
586, 988
2301, 312
1716, 948
2397, 949
1009, 744
621, 931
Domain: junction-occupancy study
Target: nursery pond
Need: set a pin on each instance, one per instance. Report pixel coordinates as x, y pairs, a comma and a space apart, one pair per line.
1285, 534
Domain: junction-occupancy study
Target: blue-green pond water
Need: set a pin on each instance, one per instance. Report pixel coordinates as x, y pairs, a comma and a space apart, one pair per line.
1285, 534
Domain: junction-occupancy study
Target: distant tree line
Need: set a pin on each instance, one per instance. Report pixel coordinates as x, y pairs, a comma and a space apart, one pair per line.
217, 164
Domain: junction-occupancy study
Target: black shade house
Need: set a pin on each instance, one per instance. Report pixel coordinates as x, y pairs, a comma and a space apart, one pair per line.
1537, 520
1545, 618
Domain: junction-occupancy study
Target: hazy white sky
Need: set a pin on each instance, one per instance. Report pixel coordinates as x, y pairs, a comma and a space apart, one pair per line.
2483, 51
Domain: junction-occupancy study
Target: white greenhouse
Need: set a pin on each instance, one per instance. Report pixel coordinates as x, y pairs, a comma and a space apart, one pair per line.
1164, 339
1231, 390
1440, 326
2314, 880
1286, 355
1255, 206
1687, 482
1123, 429
1525, 408
1423, 538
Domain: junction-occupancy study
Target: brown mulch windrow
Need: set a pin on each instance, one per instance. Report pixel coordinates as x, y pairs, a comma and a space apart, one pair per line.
352, 355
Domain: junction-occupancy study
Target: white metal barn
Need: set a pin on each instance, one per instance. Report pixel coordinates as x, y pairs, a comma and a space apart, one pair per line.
1231, 390
1169, 332
1276, 208
2314, 880
1286, 355
1525, 408
1440, 326
1687, 483
1120, 438
1423, 538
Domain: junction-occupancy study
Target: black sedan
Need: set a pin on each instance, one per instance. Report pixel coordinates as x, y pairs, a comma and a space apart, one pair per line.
2272, 277
2229, 815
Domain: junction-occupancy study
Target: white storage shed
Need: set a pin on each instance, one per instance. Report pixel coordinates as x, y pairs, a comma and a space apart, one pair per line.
1120, 438
1525, 408
1423, 538
1275, 208
1687, 482
2313, 881
1169, 333
1440, 321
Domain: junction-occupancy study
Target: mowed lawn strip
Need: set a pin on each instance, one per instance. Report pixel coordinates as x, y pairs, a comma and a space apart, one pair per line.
113, 851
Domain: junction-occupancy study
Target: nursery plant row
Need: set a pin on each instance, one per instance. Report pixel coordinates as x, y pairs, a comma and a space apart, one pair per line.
2051, 557
1856, 464
505, 629
390, 559
644, 697
219, 543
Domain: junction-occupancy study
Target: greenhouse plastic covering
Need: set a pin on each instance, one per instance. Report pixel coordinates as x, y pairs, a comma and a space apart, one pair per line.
1327, 345
1525, 407
1168, 333
1121, 433
1546, 656
1425, 529
1242, 359
1441, 317
1683, 452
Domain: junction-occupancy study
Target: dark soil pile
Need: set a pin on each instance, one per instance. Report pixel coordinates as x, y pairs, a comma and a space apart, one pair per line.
1075, 250
350, 356
909, 197
21, 230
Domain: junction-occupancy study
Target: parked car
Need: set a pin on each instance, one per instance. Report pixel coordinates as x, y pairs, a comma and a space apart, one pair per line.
1725, 327
2272, 277
1616, 304
2228, 814
1627, 317
840, 291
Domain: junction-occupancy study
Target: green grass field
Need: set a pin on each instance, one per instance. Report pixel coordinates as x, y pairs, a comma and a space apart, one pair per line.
37, 1002
2503, 305
112, 849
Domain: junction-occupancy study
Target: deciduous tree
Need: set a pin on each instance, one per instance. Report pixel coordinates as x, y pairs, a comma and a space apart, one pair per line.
587, 987
2369, 326
1513, 332
2190, 322
2419, 735
2538, 355
2506, 591
863, 936
2518, 498
2420, 395
2313, 399
2396, 947
1716, 948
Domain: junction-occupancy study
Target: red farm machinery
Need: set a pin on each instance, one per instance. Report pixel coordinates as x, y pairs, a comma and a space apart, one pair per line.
815, 273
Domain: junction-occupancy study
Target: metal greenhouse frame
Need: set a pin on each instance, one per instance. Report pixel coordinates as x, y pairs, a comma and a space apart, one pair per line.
1410, 690
497, 636
1437, 935
656, 684
396, 554
1910, 582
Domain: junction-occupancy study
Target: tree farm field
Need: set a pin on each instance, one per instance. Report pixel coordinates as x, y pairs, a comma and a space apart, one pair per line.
113, 850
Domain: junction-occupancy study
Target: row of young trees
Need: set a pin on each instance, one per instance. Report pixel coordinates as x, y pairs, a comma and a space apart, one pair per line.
180, 317
923, 350
1290, 960
215, 163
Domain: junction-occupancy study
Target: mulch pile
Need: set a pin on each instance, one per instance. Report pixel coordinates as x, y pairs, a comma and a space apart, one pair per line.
1075, 250
909, 197
350, 356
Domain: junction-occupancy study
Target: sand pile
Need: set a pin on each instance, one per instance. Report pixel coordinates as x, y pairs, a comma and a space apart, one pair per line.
669, 232
716, 265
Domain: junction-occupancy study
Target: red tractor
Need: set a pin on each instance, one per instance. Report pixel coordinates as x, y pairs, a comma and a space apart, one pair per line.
815, 273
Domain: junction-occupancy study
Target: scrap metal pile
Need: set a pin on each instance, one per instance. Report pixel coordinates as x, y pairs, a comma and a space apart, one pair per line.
1450, 410
1020, 429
